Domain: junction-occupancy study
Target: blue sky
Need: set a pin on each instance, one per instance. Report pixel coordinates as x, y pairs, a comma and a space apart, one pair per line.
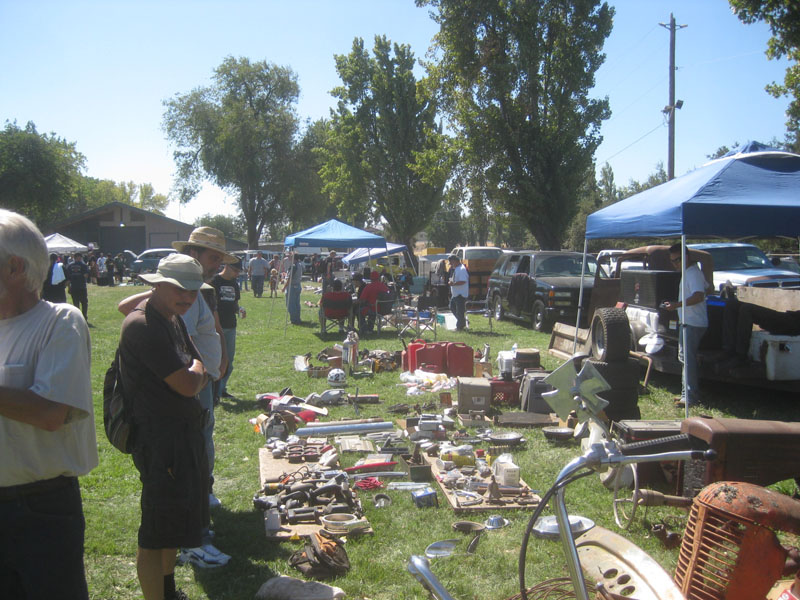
96, 73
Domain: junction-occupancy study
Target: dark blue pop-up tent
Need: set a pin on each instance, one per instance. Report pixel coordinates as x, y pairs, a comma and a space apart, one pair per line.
742, 194
754, 191
337, 234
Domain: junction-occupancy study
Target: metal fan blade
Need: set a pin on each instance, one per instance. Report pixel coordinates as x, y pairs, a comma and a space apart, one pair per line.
576, 391
562, 398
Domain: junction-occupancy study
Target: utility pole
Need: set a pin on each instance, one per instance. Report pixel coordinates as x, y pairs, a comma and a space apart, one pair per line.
669, 109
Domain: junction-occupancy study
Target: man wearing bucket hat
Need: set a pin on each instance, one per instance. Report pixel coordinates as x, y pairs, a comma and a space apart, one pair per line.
207, 246
163, 372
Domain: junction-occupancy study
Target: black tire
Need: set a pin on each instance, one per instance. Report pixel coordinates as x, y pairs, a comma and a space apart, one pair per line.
539, 321
611, 334
497, 307
619, 374
622, 404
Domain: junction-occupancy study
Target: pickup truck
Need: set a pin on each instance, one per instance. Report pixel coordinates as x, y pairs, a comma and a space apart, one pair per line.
654, 332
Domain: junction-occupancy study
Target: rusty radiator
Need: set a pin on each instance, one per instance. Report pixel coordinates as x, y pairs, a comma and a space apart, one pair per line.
729, 550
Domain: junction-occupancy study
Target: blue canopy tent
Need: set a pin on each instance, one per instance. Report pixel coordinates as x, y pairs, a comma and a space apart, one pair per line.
337, 234
742, 194
334, 233
752, 191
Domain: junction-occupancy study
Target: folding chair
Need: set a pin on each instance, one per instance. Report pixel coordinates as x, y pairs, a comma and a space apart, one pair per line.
336, 308
385, 308
418, 321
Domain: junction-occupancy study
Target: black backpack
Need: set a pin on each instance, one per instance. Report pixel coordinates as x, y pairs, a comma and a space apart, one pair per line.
117, 415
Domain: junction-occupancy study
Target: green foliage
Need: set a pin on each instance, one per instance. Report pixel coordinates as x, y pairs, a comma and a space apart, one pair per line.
308, 204
238, 133
783, 18
232, 227
93, 193
515, 77
444, 229
385, 156
39, 173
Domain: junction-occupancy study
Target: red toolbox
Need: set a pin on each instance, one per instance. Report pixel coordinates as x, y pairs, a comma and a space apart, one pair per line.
460, 359
504, 393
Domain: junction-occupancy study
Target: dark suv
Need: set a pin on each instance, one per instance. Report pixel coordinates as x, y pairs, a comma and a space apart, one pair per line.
540, 286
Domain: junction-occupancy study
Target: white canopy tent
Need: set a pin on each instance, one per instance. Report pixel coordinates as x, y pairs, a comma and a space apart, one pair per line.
61, 244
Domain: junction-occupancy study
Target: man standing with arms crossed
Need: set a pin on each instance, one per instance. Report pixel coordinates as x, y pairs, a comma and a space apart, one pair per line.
162, 375
47, 432
207, 246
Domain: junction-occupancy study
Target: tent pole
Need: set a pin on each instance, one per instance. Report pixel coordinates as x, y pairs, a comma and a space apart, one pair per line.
286, 296
683, 315
580, 296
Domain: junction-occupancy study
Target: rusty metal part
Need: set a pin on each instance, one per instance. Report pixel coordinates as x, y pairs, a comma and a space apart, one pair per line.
729, 549
623, 568
747, 450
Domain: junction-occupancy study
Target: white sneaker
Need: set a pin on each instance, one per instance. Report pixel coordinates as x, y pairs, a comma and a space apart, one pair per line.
213, 501
205, 557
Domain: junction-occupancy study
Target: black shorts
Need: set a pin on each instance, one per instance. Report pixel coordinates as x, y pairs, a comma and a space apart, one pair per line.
173, 469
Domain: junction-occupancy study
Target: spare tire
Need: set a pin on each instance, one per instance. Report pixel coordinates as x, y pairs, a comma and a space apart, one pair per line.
620, 373
611, 334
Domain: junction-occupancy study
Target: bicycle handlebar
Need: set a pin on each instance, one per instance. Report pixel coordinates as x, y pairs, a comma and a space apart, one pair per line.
675, 443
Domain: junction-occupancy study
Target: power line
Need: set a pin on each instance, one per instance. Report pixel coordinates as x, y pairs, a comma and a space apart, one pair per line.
636, 141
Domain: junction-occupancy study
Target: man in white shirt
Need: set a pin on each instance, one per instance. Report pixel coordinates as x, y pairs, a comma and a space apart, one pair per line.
694, 322
459, 290
47, 431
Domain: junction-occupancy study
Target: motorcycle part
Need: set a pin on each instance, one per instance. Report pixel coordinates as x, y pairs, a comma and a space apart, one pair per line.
496, 522
547, 527
441, 548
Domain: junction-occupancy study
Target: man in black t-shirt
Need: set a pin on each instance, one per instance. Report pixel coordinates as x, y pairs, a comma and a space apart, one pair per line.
162, 374
228, 295
77, 273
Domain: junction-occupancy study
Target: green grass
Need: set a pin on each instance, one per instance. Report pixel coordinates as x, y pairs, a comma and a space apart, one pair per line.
264, 363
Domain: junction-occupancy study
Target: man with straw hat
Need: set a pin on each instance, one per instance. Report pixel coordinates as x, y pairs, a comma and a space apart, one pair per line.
163, 373
207, 246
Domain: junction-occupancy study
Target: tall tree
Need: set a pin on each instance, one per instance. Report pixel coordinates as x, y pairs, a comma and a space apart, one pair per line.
39, 173
308, 203
783, 18
386, 157
237, 133
516, 77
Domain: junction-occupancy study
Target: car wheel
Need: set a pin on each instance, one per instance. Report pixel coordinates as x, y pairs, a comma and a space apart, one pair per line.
611, 334
497, 305
538, 319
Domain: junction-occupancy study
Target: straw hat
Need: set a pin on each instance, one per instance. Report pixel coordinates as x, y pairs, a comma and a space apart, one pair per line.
180, 270
207, 237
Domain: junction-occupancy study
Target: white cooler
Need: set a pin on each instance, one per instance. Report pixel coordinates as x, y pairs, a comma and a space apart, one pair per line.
779, 353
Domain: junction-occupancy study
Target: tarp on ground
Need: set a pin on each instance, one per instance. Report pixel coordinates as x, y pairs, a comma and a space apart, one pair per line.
744, 194
337, 234
361, 255
61, 244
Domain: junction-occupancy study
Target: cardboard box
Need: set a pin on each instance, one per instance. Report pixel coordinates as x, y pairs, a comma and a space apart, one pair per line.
474, 393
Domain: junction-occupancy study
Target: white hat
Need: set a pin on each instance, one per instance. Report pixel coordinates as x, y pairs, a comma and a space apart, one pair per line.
180, 270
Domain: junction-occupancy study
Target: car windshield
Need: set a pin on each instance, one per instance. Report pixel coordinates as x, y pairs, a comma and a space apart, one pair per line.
739, 258
565, 266
480, 253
